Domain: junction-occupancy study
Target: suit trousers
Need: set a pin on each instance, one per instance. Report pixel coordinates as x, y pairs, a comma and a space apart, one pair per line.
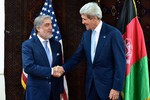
93, 93
51, 96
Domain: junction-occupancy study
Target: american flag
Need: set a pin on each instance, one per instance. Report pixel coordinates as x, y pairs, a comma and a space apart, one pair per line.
48, 10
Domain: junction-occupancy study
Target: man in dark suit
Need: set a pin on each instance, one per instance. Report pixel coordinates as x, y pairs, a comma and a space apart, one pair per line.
39, 55
103, 47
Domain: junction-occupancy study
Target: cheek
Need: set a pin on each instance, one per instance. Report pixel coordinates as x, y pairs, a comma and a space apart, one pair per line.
40, 30
91, 24
88, 24
43, 30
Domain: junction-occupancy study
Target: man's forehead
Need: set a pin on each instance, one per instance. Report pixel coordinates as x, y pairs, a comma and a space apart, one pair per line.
47, 20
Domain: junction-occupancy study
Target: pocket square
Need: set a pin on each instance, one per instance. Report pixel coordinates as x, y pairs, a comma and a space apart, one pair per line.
57, 54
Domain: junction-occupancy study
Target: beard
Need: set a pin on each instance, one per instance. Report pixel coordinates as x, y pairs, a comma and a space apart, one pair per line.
46, 35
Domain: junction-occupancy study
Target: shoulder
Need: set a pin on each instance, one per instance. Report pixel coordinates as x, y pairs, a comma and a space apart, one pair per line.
87, 32
52, 40
29, 41
111, 29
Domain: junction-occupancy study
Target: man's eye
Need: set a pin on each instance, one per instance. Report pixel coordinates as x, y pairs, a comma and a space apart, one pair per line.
46, 25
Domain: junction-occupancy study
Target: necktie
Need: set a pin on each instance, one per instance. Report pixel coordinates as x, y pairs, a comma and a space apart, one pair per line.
93, 45
47, 51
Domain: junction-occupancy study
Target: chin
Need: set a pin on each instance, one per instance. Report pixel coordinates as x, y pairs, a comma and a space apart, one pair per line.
87, 28
50, 37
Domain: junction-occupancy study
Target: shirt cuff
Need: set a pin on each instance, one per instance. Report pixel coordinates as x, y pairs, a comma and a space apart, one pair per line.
52, 71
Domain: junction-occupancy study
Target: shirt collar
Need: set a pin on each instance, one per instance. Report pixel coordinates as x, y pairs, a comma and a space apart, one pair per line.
98, 28
41, 39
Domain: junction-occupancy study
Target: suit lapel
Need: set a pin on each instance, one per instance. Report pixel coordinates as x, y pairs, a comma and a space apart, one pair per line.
88, 42
54, 49
41, 49
101, 42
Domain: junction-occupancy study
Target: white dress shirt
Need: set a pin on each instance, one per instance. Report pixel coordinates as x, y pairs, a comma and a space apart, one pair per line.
48, 45
98, 29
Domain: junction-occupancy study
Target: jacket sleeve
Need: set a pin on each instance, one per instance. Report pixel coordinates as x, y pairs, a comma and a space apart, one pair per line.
29, 65
119, 60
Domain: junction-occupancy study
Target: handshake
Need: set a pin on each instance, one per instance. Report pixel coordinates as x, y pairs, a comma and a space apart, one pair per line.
58, 71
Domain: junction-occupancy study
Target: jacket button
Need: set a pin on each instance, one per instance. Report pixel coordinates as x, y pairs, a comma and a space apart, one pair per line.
49, 83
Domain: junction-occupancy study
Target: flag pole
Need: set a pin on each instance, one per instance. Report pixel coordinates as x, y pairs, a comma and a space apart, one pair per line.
98, 2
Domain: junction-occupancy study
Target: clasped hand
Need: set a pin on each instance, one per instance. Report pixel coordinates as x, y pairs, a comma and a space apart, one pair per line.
58, 71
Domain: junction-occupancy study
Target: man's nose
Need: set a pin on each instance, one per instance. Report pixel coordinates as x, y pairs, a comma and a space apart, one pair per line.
50, 27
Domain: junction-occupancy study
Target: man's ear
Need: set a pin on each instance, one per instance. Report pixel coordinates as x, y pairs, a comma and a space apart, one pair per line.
95, 18
38, 28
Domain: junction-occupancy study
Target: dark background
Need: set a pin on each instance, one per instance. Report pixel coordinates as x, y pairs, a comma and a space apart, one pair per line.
19, 16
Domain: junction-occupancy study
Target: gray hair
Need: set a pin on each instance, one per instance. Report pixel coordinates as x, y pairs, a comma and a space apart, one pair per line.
91, 9
39, 21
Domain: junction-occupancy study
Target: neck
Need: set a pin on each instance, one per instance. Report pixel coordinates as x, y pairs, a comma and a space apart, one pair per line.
96, 24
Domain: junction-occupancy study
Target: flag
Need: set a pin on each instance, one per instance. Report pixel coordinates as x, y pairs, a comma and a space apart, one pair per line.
136, 85
48, 10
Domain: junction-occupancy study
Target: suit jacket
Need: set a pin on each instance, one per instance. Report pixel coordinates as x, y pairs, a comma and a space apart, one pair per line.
108, 68
40, 82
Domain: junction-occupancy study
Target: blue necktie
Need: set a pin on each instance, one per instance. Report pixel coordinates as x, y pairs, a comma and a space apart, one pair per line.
93, 45
47, 51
